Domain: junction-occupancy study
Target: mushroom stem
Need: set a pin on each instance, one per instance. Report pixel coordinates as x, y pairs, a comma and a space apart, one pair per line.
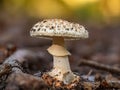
61, 63
59, 41
61, 67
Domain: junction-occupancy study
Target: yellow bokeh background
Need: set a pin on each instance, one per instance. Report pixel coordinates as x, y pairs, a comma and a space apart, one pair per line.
85, 9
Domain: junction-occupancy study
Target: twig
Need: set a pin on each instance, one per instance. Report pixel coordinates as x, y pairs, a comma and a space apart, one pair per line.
96, 65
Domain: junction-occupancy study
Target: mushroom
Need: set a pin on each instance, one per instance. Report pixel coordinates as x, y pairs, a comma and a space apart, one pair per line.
59, 30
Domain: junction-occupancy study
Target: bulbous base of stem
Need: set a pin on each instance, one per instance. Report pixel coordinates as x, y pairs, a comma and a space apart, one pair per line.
65, 77
57, 84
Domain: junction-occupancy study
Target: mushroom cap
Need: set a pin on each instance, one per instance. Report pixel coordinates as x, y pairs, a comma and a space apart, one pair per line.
58, 28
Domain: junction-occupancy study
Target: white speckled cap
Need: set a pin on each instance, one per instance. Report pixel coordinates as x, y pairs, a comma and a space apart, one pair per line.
58, 28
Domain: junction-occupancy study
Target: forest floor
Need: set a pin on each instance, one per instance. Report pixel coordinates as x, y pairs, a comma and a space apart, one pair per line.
96, 60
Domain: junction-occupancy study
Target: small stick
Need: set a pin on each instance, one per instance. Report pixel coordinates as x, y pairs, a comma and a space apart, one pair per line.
89, 73
96, 65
